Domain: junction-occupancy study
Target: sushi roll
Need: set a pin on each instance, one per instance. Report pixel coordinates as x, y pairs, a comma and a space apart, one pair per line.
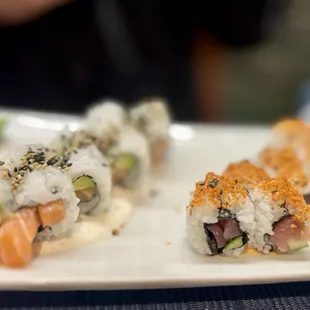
67, 141
152, 118
104, 121
245, 173
37, 203
282, 217
220, 217
91, 177
284, 163
129, 160
291, 133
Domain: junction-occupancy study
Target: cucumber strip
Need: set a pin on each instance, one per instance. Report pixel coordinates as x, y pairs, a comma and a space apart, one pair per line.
297, 245
234, 243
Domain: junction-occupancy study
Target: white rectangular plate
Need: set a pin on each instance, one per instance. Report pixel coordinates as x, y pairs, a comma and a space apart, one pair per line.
152, 251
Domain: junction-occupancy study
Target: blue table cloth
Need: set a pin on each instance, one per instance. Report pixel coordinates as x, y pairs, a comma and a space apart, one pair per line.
276, 296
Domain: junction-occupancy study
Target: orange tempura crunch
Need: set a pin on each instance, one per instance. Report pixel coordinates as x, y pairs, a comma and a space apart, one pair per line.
283, 192
290, 125
286, 164
294, 133
218, 191
245, 173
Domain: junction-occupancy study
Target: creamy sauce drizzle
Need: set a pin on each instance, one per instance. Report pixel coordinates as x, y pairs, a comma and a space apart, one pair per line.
91, 229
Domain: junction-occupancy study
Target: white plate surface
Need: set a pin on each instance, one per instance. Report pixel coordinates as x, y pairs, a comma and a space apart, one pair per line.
152, 251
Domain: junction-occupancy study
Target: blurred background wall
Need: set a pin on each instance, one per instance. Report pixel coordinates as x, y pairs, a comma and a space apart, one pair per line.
263, 81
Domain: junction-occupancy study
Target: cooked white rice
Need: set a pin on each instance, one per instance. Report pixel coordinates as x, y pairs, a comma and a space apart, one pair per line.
105, 118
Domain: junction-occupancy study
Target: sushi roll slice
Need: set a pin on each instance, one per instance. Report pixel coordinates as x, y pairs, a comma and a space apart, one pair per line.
284, 163
245, 173
152, 118
291, 133
282, 217
130, 161
91, 177
220, 217
105, 120
37, 202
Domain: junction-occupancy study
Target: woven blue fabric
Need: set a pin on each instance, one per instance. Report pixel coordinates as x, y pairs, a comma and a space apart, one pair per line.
258, 297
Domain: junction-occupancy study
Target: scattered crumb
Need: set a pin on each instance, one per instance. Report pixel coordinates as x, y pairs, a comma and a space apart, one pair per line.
169, 243
115, 232
153, 193
123, 225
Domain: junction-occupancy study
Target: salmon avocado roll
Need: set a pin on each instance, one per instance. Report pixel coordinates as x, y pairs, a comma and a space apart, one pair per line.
152, 118
37, 202
220, 217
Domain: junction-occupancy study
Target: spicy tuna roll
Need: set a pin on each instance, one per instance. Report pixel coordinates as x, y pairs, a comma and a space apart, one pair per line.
91, 178
284, 163
152, 118
282, 217
220, 217
245, 173
292, 133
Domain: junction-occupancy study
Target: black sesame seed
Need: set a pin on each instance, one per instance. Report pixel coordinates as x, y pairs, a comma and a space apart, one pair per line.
69, 164
54, 190
2, 163
9, 175
104, 165
22, 174
52, 161
15, 169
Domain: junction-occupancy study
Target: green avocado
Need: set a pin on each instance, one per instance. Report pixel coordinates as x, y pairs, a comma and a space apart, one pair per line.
83, 182
125, 162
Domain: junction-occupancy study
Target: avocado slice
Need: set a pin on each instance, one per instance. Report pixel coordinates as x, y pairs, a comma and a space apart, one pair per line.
294, 245
125, 162
3, 123
84, 182
234, 243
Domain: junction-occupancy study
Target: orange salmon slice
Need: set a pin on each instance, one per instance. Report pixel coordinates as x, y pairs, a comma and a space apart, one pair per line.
16, 237
52, 212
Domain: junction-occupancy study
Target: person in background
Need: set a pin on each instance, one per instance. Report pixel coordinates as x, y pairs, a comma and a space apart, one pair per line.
62, 55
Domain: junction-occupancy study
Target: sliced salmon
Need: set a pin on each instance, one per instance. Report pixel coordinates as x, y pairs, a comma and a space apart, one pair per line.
16, 237
52, 212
